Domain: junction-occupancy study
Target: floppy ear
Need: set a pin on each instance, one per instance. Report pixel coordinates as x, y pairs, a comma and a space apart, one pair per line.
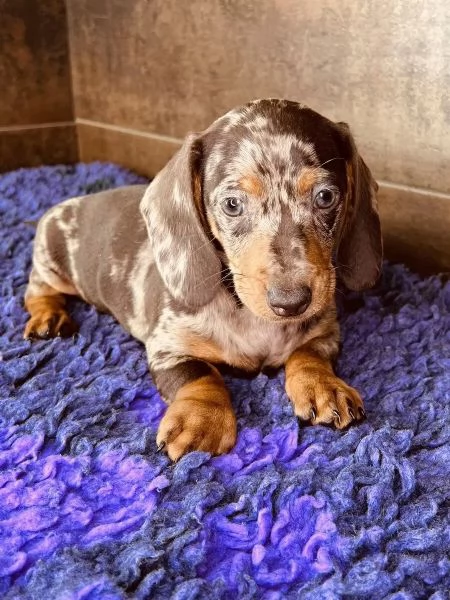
360, 250
172, 206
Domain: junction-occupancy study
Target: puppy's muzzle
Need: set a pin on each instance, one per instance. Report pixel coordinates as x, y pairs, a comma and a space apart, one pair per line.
289, 303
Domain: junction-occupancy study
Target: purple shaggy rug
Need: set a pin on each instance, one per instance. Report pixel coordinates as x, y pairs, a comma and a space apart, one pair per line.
88, 510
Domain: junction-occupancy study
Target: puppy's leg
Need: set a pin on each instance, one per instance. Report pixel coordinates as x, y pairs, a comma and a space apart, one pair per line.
317, 394
200, 415
46, 305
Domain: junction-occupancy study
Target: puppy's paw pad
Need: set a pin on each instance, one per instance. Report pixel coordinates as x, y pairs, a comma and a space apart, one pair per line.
47, 324
190, 425
324, 398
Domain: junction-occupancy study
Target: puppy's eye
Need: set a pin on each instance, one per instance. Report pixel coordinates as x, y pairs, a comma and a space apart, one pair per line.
233, 207
325, 198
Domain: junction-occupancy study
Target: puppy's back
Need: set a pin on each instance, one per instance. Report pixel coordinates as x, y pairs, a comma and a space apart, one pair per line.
94, 243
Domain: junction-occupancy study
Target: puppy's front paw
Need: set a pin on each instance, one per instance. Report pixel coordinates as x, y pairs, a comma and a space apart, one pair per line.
321, 397
190, 424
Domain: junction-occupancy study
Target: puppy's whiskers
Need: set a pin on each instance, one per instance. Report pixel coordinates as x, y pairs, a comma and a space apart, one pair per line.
194, 251
330, 160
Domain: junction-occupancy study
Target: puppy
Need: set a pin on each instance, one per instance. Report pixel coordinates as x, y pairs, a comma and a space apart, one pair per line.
229, 256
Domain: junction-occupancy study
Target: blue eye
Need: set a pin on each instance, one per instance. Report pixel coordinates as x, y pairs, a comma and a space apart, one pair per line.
233, 207
325, 198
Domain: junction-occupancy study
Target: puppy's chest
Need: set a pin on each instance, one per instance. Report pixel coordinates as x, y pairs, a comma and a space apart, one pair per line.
247, 342
260, 346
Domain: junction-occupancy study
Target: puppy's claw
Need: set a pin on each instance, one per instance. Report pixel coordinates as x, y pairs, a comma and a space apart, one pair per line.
324, 398
160, 447
44, 325
362, 413
190, 424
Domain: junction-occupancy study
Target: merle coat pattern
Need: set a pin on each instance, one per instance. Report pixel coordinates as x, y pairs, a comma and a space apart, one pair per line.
230, 256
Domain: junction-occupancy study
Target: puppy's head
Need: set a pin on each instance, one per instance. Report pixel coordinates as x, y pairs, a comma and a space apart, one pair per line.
278, 194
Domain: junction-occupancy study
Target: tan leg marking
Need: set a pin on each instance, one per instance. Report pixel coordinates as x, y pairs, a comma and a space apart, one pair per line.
48, 316
200, 418
317, 394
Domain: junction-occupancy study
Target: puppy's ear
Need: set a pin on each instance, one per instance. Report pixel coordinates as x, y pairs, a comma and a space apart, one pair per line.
360, 250
172, 208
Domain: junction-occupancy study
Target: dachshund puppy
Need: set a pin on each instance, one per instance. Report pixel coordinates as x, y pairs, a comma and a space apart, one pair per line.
229, 256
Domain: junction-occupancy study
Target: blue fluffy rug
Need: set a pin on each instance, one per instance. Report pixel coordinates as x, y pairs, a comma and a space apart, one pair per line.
88, 510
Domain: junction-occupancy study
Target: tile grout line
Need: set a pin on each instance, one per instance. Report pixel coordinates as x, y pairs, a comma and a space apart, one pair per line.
129, 130
8, 128
414, 190
177, 141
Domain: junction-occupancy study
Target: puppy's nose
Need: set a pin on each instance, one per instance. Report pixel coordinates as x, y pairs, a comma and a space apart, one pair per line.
288, 303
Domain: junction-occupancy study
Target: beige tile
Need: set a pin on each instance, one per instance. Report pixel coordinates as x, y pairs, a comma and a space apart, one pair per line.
416, 228
139, 153
168, 67
34, 63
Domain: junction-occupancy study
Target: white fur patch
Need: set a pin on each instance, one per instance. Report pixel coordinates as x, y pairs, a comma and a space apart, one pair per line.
137, 322
43, 262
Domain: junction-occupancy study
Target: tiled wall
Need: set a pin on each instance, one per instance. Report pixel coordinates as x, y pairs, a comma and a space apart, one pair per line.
166, 66
144, 72
147, 71
36, 113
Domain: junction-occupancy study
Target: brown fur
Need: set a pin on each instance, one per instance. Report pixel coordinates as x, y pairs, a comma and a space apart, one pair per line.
322, 269
316, 255
308, 179
214, 230
48, 317
200, 417
350, 188
202, 348
317, 394
200, 286
251, 281
208, 350
251, 184
197, 196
